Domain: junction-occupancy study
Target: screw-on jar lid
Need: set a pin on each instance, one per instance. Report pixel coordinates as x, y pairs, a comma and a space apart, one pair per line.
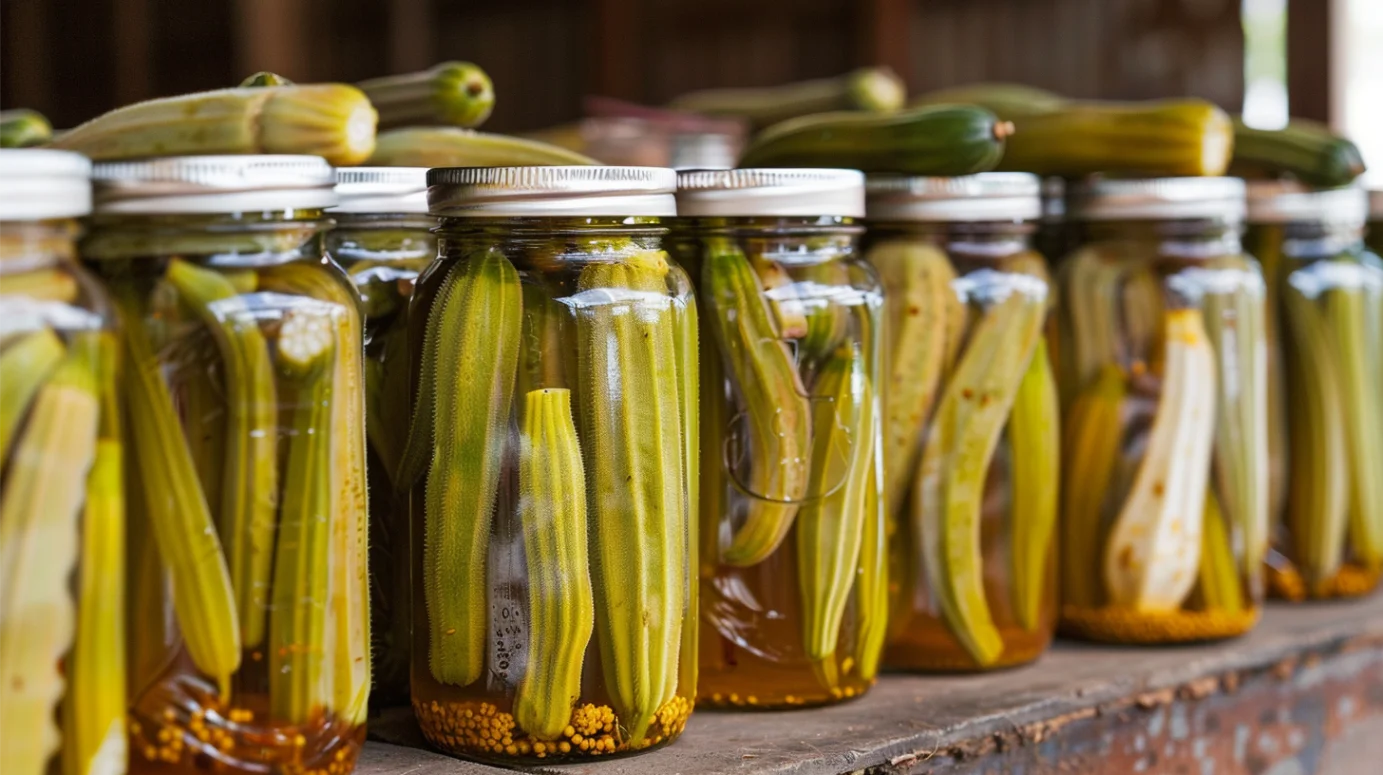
38, 184
214, 184
484, 192
1155, 199
750, 193
381, 190
1273, 201
988, 196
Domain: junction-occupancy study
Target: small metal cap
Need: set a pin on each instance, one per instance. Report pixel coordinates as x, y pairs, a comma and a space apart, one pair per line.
482, 192
381, 190
988, 196
38, 184
1273, 201
1155, 199
749, 193
214, 184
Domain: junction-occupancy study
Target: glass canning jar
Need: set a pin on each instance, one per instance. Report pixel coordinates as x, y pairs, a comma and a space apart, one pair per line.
553, 437
62, 509
1325, 392
243, 380
383, 239
792, 567
972, 437
1162, 357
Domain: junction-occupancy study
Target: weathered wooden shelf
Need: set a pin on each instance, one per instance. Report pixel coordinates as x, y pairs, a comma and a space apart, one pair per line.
1304, 691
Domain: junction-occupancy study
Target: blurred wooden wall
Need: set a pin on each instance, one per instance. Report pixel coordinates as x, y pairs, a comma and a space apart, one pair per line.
74, 58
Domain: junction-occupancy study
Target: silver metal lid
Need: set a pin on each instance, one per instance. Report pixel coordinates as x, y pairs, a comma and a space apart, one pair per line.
214, 184
474, 192
988, 196
1376, 205
381, 190
38, 184
1155, 199
747, 193
1053, 199
1273, 201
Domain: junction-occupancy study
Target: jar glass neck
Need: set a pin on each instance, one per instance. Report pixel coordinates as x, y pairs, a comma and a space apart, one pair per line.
1311, 239
1188, 239
28, 245
382, 237
233, 239
977, 238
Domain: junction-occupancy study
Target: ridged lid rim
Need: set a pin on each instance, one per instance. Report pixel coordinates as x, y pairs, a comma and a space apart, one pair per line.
551, 191
214, 184
381, 190
771, 192
1156, 198
981, 197
39, 184
1290, 202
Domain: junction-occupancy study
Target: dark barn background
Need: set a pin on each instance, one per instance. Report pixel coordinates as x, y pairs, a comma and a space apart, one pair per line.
72, 59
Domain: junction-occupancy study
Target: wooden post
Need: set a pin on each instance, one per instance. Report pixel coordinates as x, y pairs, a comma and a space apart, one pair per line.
271, 35
131, 40
615, 50
1309, 59
885, 29
410, 35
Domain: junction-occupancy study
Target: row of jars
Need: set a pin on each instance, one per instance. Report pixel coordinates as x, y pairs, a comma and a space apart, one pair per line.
586, 473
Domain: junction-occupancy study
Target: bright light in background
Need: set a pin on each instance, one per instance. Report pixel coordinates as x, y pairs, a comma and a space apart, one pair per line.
1358, 71
1265, 62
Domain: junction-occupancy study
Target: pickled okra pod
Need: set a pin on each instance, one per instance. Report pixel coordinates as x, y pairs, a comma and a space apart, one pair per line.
766, 378
552, 512
456, 147
868, 89
830, 526
249, 486
187, 541
1091, 440
1151, 559
26, 365
299, 615
1035, 435
476, 322
39, 519
22, 128
632, 424
950, 482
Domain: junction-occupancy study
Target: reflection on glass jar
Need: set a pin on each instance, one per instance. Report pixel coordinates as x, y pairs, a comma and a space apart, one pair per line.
1163, 375
971, 432
1325, 325
792, 586
552, 440
383, 240
243, 380
62, 510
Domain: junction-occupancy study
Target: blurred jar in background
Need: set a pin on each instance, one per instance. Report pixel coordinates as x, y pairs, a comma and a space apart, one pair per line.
1162, 357
1325, 320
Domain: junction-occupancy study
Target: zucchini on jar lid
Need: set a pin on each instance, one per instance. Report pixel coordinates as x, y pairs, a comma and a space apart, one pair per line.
750, 193
1156, 199
988, 196
227, 184
381, 190
38, 184
547, 192
1272, 201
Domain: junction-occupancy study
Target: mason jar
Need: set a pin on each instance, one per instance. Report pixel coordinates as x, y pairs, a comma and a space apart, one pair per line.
62, 509
383, 239
551, 447
791, 562
1162, 356
972, 437
1325, 392
244, 387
